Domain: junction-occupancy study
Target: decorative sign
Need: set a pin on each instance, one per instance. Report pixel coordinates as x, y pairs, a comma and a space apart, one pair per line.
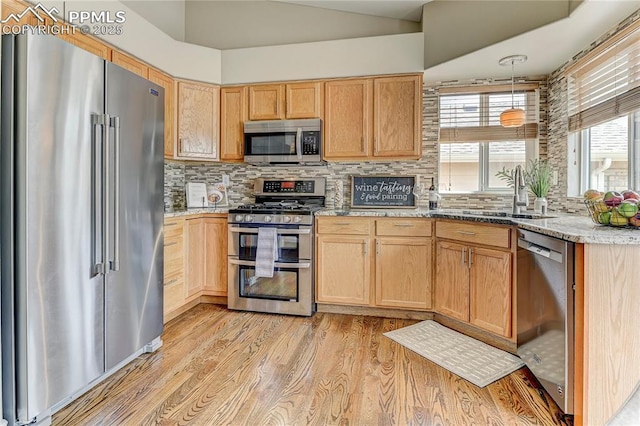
382, 192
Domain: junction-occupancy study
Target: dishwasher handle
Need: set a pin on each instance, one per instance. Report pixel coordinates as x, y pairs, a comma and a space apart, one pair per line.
540, 250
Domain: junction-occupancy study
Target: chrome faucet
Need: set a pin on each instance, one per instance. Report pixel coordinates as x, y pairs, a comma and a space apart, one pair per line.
520, 197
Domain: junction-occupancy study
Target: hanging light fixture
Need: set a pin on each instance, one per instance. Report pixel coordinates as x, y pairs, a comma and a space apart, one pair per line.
512, 117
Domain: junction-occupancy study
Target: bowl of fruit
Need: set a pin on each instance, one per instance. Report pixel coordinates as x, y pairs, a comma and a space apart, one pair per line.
613, 208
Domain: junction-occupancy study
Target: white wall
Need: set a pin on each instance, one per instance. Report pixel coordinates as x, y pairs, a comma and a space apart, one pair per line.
168, 15
142, 39
242, 24
337, 58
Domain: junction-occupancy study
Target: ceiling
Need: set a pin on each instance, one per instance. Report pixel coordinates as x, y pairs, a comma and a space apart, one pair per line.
400, 9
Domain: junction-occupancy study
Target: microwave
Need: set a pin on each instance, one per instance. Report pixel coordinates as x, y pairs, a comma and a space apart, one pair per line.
283, 141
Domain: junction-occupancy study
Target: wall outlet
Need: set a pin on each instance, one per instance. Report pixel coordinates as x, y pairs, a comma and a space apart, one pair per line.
225, 180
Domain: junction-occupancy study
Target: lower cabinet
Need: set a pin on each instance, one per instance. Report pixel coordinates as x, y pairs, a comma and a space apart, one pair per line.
374, 262
474, 283
195, 260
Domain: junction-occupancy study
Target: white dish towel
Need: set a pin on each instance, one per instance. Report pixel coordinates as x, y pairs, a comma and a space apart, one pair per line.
266, 252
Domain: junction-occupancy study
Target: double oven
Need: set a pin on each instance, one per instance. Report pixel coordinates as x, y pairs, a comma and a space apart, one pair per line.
286, 206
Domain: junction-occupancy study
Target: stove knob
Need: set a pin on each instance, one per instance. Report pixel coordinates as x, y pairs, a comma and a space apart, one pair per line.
286, 219
239, 218
248, 218
268, 219
297, 219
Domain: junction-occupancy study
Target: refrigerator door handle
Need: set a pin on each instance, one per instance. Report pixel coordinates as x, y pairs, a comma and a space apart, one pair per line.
115, 263
106, 189
97, 120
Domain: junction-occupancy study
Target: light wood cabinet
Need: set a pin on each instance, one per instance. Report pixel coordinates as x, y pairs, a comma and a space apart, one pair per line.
194, 256
215, 252
304, 100
266, 102
452, 280
374, 262
286, 101
403, 271
198, 129
168, 84
397, 106
474, 283
348, 119
174, 292
233, 114
129, 63
343, 269
373, 118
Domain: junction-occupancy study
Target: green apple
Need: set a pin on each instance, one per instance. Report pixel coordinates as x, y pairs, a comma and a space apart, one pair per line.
627, 209
604, 218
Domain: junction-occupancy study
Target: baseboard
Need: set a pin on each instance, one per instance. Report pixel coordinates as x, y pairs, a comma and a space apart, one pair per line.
168, 316
374, 312
216, 300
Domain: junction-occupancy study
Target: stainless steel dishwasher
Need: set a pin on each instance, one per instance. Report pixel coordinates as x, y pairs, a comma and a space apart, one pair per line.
546, 313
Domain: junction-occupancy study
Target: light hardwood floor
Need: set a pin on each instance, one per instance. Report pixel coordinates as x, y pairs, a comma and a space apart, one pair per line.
219, 367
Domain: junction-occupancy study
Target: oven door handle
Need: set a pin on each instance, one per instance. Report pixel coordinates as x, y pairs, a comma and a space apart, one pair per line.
301, 265
278, 231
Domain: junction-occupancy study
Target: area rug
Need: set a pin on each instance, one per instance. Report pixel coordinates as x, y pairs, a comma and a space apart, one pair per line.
464, 356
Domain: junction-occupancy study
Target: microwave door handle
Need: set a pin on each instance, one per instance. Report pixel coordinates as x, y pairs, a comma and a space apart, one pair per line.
299, 143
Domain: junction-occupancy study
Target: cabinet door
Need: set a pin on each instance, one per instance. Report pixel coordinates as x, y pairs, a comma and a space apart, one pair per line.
195, 256
490, 291
233, 114
174, 293
348, 119
129, 63
167, 84
452, 280
343, 269
198, 128
266, 102
403, 272
397, 117
304, 100
215, 249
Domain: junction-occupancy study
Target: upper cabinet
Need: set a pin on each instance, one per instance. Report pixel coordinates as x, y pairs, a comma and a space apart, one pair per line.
375, 118
348, 118
233, 114
168, 85
285, 101
397, 108
129, 63
198, 129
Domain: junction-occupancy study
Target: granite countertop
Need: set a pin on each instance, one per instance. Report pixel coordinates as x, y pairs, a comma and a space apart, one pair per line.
574, 228
196, 211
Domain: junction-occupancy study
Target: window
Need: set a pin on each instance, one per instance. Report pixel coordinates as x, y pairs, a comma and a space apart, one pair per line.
473, 146
609, 159
604, 116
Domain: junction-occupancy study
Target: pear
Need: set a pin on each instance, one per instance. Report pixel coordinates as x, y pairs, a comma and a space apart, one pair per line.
617, 219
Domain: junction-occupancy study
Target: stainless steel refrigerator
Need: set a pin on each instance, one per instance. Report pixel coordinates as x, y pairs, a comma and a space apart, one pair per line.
81, 213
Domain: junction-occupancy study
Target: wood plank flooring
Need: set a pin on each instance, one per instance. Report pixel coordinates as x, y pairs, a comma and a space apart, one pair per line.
220, 367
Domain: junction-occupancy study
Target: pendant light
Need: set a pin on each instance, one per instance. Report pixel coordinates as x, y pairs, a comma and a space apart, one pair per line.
512, 117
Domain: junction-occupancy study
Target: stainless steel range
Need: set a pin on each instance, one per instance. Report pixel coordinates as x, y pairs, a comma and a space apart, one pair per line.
286, 207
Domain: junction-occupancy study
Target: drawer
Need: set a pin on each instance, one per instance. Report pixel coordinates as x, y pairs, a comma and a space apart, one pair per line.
173, 227
474, 233
343, 225
404, 227
173, 296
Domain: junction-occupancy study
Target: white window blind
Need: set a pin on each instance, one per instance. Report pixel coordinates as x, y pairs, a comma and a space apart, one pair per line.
605, 84
473, 114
